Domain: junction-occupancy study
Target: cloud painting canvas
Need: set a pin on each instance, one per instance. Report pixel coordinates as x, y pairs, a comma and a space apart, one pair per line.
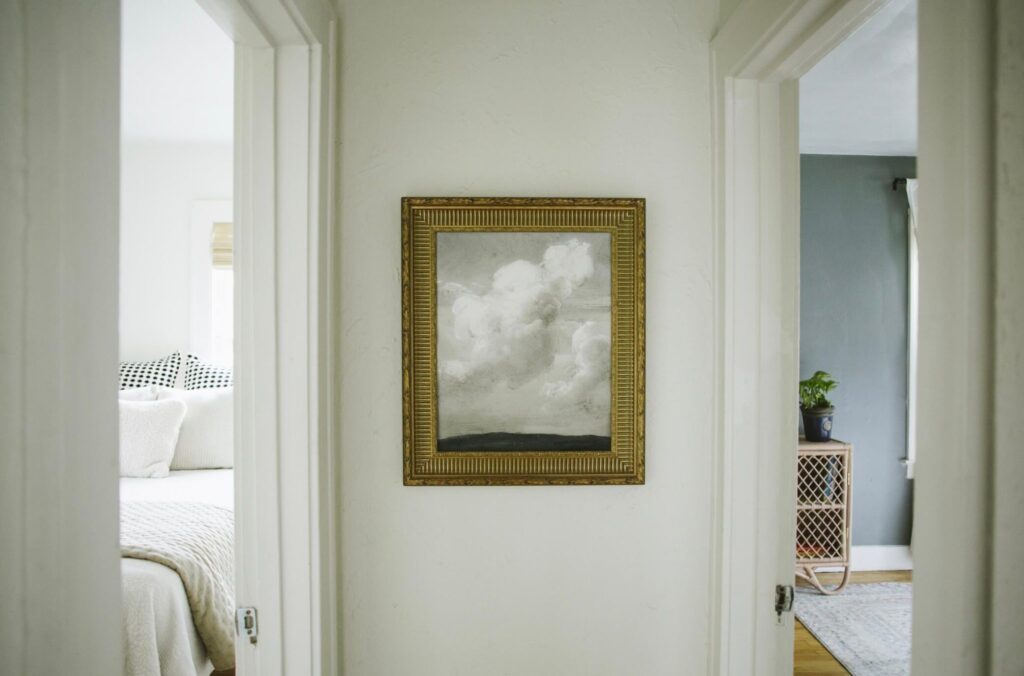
523, 340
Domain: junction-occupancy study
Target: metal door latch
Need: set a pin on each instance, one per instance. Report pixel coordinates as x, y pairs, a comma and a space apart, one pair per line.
783, 599
245, 623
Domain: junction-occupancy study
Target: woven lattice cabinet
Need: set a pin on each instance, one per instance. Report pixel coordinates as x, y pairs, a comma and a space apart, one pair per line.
823, 510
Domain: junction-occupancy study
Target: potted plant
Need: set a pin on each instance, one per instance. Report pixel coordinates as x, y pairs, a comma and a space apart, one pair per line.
816, 407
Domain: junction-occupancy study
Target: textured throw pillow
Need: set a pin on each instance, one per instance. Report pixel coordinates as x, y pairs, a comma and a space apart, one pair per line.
147, 393
149, 433
200, 376
162, 372
207, 438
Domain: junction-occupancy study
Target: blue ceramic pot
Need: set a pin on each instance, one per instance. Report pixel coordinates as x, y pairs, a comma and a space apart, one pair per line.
818, 424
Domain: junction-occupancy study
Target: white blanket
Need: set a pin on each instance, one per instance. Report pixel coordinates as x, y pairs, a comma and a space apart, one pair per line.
159, 636
197, 542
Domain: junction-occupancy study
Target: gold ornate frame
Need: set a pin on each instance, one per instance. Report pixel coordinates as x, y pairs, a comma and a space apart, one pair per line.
422, 219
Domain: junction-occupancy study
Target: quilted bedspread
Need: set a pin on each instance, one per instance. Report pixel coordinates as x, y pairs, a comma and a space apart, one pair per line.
196, 541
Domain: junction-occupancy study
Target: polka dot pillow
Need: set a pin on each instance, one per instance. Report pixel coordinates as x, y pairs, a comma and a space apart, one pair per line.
201, 376
163, 372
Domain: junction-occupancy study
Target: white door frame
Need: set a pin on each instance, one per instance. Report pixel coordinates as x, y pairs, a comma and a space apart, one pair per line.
285, 55
757, 59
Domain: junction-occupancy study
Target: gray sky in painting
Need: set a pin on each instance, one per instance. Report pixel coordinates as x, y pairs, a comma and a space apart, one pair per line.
523, 325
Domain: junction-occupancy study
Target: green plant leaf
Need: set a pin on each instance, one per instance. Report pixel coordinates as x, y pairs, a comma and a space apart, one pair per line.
814, 390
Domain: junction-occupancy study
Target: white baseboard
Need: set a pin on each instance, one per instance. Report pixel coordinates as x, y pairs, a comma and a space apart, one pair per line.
878, 557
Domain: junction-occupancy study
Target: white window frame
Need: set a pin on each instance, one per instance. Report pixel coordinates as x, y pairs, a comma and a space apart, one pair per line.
204, 213
913, 323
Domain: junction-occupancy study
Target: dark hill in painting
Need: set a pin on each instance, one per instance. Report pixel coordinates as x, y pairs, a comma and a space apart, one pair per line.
504, 441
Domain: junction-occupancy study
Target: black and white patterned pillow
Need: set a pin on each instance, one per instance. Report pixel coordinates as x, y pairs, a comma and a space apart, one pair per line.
200, 376
163, 372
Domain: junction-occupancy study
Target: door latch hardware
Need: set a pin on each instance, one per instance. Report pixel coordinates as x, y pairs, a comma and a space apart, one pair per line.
783, 599
245, 623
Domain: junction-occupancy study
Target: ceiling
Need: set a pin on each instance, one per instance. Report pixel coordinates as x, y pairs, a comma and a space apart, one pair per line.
177, 82
177, 74
861, 99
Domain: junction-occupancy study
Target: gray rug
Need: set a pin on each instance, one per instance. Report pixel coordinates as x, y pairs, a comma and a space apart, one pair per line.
866, 627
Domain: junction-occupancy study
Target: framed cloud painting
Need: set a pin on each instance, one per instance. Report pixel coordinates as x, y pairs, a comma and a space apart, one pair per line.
523, 340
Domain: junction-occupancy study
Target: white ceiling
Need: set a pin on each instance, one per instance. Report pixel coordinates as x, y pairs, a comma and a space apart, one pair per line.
177, 73
861, 99
178, 67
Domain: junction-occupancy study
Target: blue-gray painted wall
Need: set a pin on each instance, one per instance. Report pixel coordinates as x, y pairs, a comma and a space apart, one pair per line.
853, 324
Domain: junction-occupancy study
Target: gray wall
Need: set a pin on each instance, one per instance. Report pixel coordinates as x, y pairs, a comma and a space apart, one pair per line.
853, 324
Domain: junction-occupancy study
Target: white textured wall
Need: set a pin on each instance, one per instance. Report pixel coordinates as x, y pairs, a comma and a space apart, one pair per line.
160, 181
489, 97
726, 9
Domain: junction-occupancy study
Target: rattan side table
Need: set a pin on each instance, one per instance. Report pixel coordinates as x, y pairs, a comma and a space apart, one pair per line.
823, 475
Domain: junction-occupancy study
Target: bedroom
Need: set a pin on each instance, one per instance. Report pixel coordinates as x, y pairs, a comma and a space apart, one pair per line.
176, 402
858, 145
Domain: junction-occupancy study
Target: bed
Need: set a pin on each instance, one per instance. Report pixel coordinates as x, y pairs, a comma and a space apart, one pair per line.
161, 636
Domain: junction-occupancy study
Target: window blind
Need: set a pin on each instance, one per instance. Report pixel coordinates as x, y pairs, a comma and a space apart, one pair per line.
222, 245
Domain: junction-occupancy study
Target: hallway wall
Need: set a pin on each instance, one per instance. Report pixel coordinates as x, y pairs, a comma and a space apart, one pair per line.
488, 97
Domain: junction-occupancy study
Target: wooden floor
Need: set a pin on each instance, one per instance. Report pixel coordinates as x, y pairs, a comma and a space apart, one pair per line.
810, 657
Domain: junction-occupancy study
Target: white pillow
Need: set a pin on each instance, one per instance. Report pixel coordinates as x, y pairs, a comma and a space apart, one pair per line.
147, 393
207, 439
149, 433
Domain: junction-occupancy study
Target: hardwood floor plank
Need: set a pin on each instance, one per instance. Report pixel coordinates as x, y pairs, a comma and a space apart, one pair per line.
810, 657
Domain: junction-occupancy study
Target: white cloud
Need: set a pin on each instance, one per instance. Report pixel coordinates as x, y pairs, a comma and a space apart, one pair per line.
568, 266
591, 349
507, 331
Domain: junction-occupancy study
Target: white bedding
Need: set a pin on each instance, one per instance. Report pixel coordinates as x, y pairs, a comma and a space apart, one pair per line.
213, 486
160, 637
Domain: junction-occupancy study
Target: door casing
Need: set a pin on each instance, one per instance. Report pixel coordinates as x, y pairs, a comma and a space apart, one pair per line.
285, 74
757, 59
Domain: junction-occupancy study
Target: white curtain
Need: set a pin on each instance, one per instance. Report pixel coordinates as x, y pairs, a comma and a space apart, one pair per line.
912, 295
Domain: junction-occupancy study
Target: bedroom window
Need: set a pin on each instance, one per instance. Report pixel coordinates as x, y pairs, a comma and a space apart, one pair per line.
222, 290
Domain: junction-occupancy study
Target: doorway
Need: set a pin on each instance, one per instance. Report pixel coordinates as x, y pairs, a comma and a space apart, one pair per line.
858, 154
61, 117
762, 49
279, 246
176, 391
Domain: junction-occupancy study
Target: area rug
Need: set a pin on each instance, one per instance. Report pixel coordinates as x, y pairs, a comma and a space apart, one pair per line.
866, 627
